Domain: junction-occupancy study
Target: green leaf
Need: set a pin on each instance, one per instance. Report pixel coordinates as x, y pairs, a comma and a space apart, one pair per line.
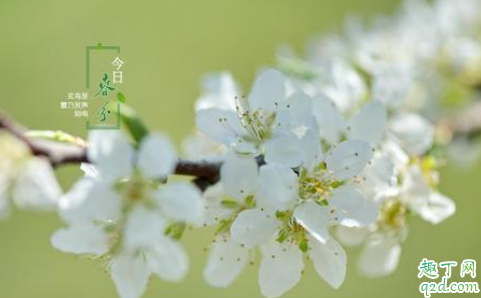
136, 127
121, 97
303, 246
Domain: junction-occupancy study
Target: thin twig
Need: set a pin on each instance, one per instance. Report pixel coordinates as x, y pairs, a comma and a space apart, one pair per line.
62, 154
468, 124
57, 153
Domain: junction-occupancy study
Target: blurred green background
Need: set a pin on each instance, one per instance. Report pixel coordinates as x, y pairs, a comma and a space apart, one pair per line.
168, 46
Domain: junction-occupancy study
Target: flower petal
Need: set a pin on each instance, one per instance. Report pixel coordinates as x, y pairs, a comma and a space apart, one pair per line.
269, 88
198, 147
329, 261
90, 170
329, 118
295, 110
226, 261
222, 126
379, 257
215, 211
391, 86
253, 227
239, 176
312, 151
314, 218
351, 209
81, 239
157, 157
143, 226
130, 274
37, 186
111, 153
219, 91
284, 148
415, 188
90, 200
351, 236
379, 178
396, 154
348, 159
413, 132
168, 260
346, 87
281, 268
181, 201
278, 187
369, 124
437, 208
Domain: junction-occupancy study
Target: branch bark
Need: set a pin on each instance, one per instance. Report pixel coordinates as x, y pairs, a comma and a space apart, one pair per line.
467, 124
58, 154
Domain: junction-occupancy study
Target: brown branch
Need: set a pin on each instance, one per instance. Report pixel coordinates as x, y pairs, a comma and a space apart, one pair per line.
200, 169
58, 154
467, 124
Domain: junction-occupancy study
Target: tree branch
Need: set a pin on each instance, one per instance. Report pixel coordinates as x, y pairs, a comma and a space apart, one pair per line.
467, 124
58, 154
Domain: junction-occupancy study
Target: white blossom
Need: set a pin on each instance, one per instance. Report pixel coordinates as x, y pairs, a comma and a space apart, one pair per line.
219, 91
124, 215
270, 109
382, 249
26, 181
342, 148
286, 215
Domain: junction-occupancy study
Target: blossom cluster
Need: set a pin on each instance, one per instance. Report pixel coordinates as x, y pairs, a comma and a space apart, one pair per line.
327, 178
338, 149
